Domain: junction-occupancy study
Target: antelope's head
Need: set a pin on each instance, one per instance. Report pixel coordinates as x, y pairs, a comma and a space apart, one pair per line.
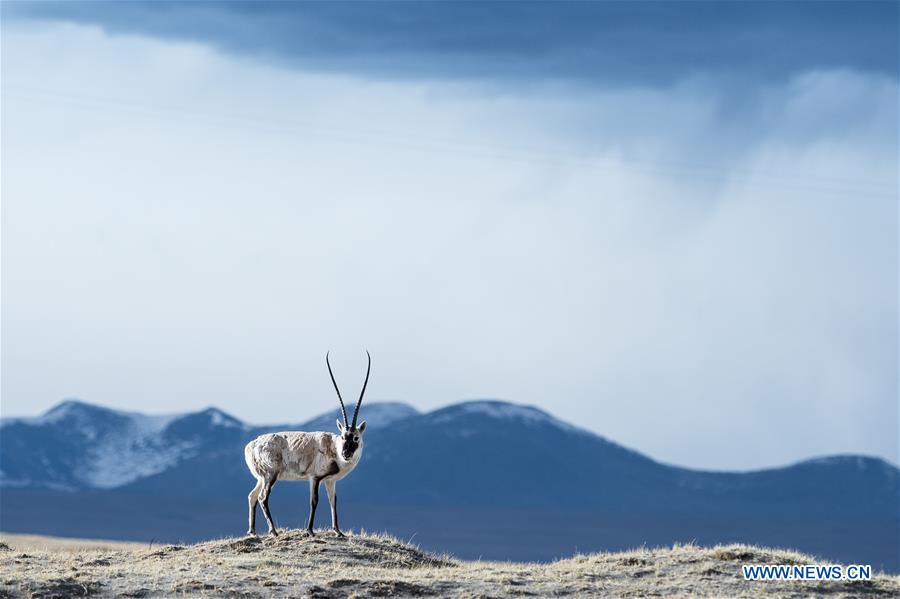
351, 434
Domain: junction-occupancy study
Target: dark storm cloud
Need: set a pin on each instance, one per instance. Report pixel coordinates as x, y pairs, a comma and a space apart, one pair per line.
585, 42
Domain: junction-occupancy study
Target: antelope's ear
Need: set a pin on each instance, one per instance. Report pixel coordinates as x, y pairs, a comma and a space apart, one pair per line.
340, 426
362, 427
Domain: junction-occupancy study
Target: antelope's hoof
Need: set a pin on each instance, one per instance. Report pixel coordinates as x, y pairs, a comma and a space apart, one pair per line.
273, 533
251, 533
339, 533
310, 532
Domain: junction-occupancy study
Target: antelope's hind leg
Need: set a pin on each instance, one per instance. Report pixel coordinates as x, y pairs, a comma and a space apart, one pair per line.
252, 499
264, 500
313, 502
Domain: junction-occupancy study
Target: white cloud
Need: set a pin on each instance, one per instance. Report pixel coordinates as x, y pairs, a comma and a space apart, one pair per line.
711, 282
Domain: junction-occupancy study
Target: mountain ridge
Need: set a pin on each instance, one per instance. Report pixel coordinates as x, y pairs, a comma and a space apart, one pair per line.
141, 425
478, 478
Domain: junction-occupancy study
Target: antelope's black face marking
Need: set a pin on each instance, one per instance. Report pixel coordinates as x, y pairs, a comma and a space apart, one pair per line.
351, 439
351, 443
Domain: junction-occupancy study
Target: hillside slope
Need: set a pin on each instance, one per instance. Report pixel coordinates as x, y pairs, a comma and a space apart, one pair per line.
378, 566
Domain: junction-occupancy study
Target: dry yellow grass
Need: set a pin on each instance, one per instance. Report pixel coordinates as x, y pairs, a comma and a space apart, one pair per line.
367, 565
33, 543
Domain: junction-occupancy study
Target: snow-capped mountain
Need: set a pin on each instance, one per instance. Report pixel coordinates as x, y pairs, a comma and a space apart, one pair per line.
76, 445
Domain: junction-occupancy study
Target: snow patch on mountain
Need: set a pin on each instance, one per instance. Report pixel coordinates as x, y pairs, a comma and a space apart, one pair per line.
221, 419
133, 451
83, 417
496, 409
376, 414
119, 461
65, 410
859, 462
502, 410
119, 447
388, 411
151, 425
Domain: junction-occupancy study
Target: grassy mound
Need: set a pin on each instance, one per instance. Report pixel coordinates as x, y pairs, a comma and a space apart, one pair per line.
371, 565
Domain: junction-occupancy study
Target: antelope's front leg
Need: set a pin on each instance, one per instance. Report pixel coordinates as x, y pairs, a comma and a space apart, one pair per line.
313, 502
332, 499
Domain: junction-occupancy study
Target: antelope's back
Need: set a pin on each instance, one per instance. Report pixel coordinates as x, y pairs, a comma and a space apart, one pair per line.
289, 455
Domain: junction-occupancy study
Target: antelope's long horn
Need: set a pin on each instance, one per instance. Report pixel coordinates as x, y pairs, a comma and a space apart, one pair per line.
340, 399
363, 392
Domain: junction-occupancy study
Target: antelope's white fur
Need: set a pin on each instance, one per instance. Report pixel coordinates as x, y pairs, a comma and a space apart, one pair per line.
296, 455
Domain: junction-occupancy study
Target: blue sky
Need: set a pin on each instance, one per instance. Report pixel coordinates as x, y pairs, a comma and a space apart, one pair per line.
675, 224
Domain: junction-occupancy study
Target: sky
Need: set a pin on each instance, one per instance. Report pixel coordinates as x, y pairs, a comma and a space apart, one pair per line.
673, 224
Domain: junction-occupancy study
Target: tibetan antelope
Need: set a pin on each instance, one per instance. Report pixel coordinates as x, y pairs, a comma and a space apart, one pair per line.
314, 456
